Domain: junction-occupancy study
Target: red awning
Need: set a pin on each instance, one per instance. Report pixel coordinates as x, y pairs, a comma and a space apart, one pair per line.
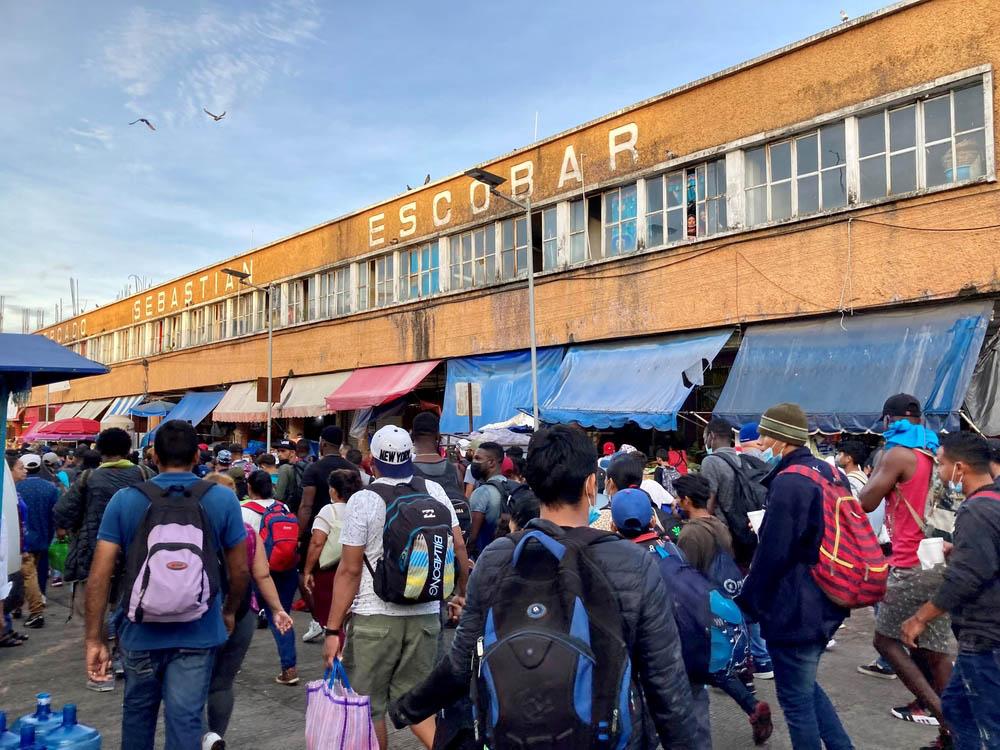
371, 386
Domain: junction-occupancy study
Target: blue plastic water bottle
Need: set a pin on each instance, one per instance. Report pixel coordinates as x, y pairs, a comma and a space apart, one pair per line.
43, 720
72, 736
8, 740
28, 739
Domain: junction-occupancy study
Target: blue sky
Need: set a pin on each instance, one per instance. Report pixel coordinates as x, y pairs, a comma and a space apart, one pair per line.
330, 107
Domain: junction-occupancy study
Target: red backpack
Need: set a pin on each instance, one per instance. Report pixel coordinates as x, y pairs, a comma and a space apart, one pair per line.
279, 529
852, 571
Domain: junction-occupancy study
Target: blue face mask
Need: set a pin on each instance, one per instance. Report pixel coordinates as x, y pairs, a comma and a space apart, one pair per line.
768, 455
592, 515
709, 451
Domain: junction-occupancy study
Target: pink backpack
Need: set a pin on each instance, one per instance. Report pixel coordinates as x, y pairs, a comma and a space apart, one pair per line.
251, 553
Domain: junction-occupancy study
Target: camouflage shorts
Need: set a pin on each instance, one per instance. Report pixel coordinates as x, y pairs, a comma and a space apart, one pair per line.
908, 589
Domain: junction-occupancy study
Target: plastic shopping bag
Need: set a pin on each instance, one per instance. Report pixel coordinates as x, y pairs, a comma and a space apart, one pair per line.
337, 718
57, 554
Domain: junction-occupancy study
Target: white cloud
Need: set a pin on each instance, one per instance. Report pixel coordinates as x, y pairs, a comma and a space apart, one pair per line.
92, 136
218, 58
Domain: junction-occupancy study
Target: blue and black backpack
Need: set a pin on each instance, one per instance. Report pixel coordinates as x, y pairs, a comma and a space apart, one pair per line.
552, 667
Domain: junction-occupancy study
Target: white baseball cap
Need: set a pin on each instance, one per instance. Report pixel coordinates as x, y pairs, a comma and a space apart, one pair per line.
31, 461
50, 459
392, 452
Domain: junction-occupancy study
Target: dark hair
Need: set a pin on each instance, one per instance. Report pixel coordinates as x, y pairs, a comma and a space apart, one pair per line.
332, 434
89, 459
519, 463
205, 456
495, 449
354, 456
515, 451
994, 444
235, 448
259, 483
695, 488
266, 459
663, 454
560, 461
625, 471
857, 450
303, 445
176, 444
721, 429
61, 451
426, 424
873, 458
968, 448
346, 482
114, 441
525, 507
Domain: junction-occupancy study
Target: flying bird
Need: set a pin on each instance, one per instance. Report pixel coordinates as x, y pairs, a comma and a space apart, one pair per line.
427, 180
844, 18
145, 122
214, 117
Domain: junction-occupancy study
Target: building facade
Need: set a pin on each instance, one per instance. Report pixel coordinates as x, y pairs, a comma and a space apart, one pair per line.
854, 170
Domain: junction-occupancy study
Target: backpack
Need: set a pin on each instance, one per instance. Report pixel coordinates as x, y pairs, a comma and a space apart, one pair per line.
652, 541
418, 551
250, 599
279, 528
725, 573
714, 638
852, 571
293, 493
456, 493
172, 568
748, 494
668, 475
552, 668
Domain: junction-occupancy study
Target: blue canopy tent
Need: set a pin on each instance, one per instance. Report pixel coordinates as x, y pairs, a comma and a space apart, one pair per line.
841, 371
26, 361
644, 381
194, 407
504, 381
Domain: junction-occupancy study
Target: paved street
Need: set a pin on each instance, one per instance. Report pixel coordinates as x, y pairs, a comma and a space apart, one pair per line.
271, 717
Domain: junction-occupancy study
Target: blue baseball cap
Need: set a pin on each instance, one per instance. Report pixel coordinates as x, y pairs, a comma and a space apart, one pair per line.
631, 510
748, 432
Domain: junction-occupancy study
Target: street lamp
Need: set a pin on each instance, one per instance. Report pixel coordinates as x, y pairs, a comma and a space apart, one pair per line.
493, 181
244, 279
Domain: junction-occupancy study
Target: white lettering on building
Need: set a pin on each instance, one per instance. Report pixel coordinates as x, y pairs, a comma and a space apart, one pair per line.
522, 176
408, 219
376, 227
570, 170
618, 144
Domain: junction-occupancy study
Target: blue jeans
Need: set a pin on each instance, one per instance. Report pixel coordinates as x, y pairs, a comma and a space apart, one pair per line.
228, 660
811, 718
758, 649
179, 678
701, 718
287, 582
971, 702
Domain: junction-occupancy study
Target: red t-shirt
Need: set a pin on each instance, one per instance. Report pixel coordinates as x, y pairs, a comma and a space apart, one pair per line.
905, 532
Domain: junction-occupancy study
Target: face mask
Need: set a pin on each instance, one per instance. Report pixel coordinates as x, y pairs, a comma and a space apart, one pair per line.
767, 455
592, 512
955, 488
478, 471
709, 451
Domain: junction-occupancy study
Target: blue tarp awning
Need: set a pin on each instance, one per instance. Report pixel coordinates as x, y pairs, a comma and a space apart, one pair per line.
194, 407
42, 359
504, 381
645, 381
842, 371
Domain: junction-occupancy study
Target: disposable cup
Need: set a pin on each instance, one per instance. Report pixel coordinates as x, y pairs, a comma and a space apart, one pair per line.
756, 519
930, 552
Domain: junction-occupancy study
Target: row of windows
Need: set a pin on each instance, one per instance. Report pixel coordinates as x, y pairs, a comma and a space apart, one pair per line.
896, 150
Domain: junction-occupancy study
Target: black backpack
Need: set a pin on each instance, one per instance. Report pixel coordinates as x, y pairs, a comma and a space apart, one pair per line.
455, 492
552, 668
293, 495
172, 568
748, 494
418, 551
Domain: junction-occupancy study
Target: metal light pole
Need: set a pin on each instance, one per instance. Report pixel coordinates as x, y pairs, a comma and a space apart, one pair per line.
493, 181
244, 279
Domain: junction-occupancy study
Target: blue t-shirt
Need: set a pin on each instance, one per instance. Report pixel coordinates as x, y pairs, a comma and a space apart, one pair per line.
122, 518
40, 498
486, 499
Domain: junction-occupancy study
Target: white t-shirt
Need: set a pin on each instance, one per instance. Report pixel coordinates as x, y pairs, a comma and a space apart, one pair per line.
327, 514
363, 524
657, 492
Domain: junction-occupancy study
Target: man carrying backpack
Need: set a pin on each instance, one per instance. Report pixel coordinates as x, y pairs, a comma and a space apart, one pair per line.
487, 500
542, 607
392, 638
173, 531
797, 619
430, 464
289, 487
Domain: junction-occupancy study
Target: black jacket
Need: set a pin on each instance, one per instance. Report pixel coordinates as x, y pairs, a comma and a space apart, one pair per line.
81, 509
780, 592
971, 588
650, 632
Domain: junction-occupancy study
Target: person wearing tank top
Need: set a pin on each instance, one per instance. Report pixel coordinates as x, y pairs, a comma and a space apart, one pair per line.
902, 478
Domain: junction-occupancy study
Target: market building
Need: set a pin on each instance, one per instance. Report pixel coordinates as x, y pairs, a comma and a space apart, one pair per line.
824, 214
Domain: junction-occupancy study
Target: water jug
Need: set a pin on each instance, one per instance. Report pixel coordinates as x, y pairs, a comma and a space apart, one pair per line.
28, 739
72, 736
8, 740
43, 720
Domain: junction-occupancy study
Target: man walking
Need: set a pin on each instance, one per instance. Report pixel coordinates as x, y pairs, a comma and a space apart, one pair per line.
902, 479
289, 487
795, 616
39, 497
171, 658
971, 593
488, 498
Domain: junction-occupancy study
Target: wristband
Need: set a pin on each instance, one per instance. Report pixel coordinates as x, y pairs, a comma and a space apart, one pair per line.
332, 631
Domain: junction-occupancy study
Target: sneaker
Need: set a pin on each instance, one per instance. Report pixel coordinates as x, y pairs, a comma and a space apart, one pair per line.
101, 686
916, 713
831, 644
56, 583
943, 742
118, 666
288, 676
763, 671
212, 741
877, 670
315, 633
35, 621
760, 720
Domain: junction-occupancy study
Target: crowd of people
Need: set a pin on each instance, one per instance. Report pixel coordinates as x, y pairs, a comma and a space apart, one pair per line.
578, 622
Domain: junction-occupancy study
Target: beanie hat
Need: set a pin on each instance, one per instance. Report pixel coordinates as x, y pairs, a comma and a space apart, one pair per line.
785, 422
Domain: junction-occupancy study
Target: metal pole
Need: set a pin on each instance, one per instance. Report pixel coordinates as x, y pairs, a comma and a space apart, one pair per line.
270, 363
469, 385
46, 418
531, 316
4, 396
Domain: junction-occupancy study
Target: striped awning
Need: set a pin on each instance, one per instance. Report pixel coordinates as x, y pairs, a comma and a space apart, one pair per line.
240, 404
68, 411
121, 405
94, 408
306, 396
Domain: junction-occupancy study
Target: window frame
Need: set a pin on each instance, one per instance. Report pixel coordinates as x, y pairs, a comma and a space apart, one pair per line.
424, 280
607, 228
